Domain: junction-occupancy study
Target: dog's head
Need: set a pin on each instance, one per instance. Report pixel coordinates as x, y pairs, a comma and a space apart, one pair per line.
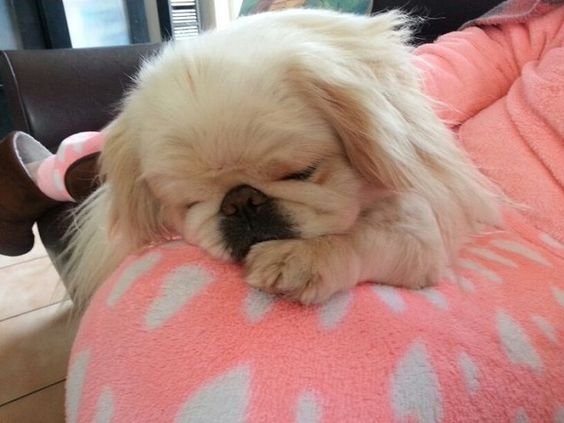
286, 125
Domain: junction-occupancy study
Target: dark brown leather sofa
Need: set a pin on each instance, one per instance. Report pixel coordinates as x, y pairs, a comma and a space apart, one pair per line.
54, 93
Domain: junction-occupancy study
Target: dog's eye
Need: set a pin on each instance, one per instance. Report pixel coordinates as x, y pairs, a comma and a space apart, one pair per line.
302, 175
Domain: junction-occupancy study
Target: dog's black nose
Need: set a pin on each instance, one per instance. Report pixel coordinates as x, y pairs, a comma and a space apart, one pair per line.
242, 200
249, 216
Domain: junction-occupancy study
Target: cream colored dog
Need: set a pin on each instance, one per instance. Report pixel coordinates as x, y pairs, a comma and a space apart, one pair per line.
298, 143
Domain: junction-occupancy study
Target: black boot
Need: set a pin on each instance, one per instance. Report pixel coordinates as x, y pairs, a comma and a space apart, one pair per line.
21, 202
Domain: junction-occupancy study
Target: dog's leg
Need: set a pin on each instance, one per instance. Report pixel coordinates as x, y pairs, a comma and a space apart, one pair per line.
397, 243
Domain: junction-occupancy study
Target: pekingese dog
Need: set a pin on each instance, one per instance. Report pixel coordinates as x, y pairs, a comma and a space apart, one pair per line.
298, 143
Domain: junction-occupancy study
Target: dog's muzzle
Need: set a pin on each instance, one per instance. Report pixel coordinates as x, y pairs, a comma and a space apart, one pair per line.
249, 217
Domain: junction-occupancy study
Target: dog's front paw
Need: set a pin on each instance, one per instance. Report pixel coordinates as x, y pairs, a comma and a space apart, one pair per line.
291, 268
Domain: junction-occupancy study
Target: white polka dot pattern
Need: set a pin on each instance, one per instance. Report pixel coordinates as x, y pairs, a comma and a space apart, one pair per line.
257, 304
434, 297
545, 327
415, 388
224, 399
480, 269
78, 142
522, 250
551, 242
470, 372
58, 181
521, 416
105, 407
466, 284
131, 274
308, 409
179, 287
62, 152
490, 255
516, 342
75, 383
559, 415
390, 296
332, 313
558, 295
412, 353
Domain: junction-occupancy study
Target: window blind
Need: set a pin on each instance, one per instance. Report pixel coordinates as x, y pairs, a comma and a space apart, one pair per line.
185, 18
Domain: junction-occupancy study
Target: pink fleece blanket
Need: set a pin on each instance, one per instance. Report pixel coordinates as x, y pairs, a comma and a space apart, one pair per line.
176, 336
502, 89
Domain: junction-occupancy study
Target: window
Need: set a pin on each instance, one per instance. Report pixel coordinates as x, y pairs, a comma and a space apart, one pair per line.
107, 16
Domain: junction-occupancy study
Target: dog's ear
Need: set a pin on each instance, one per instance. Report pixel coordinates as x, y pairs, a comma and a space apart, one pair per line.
366, 86
134, 212
368, 129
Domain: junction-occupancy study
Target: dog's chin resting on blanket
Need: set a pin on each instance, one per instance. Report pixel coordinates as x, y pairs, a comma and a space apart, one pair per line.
298, 143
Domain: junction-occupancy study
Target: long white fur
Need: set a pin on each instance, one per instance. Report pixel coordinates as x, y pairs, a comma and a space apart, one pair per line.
347, 68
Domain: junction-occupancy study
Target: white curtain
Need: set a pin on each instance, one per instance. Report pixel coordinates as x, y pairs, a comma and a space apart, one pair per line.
218, 13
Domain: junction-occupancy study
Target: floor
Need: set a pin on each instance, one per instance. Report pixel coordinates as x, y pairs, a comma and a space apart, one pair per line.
35, 339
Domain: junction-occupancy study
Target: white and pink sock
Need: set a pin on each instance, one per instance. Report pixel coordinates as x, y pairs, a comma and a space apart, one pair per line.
49, 174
